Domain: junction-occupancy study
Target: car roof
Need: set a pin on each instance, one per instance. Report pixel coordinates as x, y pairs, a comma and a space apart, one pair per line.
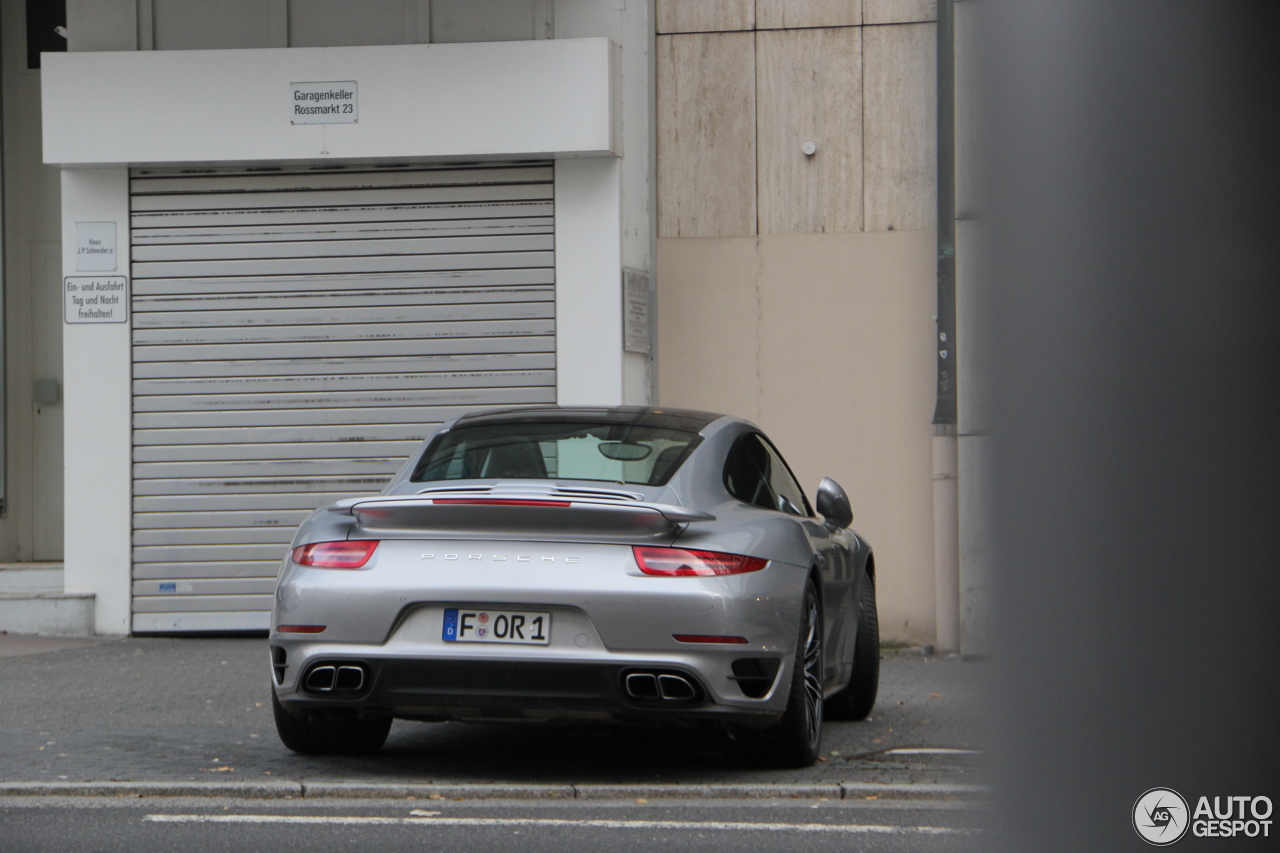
682, 419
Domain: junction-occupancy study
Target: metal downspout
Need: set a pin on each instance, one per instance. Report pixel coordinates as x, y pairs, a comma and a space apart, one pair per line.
946, 509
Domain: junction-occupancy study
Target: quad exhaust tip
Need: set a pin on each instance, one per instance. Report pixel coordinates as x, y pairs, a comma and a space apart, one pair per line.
335, 678
667, 687
676, 688
642, 685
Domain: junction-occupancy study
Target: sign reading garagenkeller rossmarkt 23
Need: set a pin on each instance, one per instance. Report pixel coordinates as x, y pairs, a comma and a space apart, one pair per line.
95, 299
324, 103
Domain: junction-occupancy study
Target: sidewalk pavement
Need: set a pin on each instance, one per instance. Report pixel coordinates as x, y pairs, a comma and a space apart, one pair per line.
161, 711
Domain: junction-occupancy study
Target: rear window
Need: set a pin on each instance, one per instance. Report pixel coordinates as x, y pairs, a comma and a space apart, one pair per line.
612, 453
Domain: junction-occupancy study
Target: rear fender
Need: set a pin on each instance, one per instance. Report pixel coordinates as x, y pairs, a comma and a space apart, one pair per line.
743, 529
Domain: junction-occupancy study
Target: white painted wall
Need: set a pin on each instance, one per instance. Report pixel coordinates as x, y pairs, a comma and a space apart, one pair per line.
563, 99
552, 98
631, 25
588, 284
98, 440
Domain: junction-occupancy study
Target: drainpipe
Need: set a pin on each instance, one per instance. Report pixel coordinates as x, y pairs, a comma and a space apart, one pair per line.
946, 492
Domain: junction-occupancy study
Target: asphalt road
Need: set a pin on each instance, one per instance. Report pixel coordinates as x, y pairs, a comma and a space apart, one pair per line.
197, 710
100, 825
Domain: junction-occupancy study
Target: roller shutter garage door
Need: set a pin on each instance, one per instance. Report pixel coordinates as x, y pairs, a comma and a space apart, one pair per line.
295, 333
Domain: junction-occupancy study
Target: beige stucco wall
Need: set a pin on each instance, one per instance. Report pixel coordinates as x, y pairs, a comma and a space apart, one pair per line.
799, 289
825, 341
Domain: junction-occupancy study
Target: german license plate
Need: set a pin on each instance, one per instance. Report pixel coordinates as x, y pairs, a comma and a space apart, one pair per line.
497, 626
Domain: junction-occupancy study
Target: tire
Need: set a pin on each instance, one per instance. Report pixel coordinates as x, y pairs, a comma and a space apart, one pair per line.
856, 701
797, 738
328, 733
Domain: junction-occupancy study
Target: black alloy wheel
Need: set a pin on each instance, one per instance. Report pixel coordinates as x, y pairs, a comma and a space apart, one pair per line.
813, 674
856, 701
329, 733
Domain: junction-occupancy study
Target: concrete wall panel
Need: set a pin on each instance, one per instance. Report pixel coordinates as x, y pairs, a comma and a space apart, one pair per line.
576, 19
706, 135
705, 16
969, 110
898, 11
487, 20
210, 24
899, 136
809, 85
101, 25
324, 23
781, 14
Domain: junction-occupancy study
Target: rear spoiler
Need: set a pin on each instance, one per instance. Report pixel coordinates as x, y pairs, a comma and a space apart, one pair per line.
519, 515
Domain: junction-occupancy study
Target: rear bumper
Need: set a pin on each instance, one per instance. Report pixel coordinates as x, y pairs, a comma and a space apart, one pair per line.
605, 617
478, 689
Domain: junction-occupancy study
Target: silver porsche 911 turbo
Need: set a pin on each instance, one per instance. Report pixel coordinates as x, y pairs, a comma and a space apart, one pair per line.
613, 564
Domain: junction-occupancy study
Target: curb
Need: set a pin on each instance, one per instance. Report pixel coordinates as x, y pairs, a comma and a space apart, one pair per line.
393, 791
829, 791
429, 791
232, 790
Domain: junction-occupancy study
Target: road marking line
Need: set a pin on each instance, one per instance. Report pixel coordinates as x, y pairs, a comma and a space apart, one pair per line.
931, 751
360, 820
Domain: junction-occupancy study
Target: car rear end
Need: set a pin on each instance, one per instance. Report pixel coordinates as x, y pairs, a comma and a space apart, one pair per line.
530, 608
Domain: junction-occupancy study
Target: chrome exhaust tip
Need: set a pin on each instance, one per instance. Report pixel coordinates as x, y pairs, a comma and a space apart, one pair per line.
322, 679
642, 685
336, 677
676, 688
349, 678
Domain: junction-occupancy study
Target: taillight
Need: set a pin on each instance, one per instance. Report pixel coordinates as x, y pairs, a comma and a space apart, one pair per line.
300, 629
347, 554
710, 638
684, 563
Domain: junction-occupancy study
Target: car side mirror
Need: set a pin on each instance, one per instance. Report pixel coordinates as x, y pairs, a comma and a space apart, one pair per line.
833, 503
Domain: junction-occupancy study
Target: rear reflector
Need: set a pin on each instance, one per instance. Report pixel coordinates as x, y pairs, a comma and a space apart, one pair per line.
709, 638
299, 629
347, 554
683, 563
496, 502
